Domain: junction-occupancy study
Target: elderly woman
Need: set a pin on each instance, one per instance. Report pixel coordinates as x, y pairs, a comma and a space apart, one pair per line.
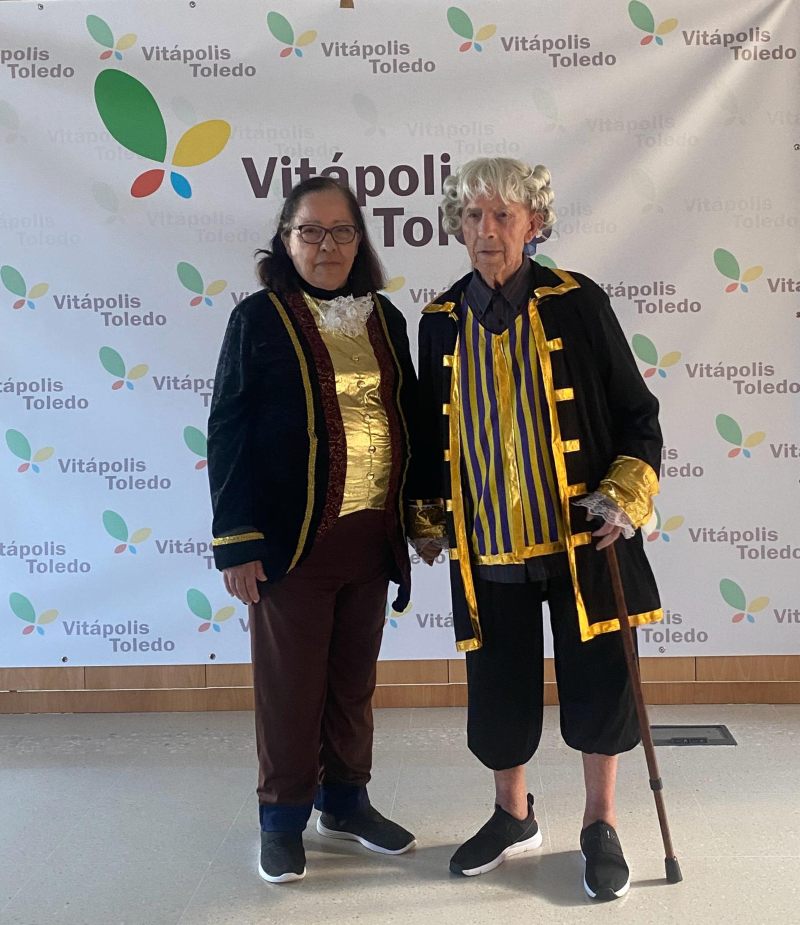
547, 422
308, 450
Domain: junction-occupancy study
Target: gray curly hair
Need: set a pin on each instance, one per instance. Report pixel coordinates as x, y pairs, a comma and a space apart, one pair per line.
512, 180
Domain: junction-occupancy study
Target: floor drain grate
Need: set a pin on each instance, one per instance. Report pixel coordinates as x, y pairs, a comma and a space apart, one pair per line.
692, 735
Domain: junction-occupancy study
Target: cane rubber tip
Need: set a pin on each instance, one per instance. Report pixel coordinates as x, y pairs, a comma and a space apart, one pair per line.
674, 874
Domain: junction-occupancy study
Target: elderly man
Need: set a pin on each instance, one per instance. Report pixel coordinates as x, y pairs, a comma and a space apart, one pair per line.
537, 421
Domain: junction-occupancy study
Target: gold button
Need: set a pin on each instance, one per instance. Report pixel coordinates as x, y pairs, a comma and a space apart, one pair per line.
370, 476
360, 383
372, 449
356, 359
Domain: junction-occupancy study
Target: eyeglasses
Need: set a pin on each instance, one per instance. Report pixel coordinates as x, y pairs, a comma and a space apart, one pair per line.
315, 234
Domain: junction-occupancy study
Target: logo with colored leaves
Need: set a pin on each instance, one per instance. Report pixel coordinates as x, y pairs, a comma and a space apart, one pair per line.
643, 19
282, 30
117, 529
102, 34
196, 441
663, 529
193, 281
728, 266
393, 616
730, 431
645, 349
733, 595
461, 24
14, 282
21, 448
200, 606
131, 115
113, 363
23, 609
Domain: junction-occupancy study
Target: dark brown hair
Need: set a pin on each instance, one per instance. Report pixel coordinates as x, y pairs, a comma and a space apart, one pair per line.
275, 268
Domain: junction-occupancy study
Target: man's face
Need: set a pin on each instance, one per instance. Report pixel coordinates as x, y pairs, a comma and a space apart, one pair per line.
495, 233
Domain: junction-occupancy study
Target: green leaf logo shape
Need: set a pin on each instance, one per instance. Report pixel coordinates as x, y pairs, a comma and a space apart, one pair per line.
731, 432
196, 441
22, 608
13, 280
643, 19
728, 266
461, 24
282, 30
544, 261
200, 606
117, 529
20, 446
113, 363
735, 597
131, 115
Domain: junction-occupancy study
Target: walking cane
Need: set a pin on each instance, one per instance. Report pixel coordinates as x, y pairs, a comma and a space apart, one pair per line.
670, 861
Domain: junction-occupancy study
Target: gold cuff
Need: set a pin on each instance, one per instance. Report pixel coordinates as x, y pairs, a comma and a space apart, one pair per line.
425, 520
631, 484
237, 538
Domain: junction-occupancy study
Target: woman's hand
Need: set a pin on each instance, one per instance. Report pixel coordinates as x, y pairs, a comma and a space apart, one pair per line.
240, 581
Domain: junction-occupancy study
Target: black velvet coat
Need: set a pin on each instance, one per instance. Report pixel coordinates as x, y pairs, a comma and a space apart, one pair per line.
599, 408
277, 456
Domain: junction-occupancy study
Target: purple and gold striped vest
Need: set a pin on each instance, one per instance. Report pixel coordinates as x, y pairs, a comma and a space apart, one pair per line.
506, 444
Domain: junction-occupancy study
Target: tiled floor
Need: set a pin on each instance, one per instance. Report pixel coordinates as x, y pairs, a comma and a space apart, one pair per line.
152, 820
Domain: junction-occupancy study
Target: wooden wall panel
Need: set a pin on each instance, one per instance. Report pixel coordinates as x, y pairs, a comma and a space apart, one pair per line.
421, 683
41, 679
749, 668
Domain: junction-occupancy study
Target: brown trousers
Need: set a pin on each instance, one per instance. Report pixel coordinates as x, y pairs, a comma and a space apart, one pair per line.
315, 639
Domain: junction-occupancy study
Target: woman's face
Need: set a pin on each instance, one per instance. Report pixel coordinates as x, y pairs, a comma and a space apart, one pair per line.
325, 265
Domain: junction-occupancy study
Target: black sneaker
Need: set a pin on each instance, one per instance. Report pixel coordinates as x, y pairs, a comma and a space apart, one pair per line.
502, 837
370, 828
606, 875
282, 857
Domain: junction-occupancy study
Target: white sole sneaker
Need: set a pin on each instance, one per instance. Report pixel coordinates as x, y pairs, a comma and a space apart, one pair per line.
520, 847
281, 878
618, 893
350, 836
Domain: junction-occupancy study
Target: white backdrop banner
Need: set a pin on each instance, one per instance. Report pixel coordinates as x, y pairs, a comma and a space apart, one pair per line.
147, 148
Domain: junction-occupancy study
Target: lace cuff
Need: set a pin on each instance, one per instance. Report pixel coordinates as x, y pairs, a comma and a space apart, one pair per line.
600, 505
425, 520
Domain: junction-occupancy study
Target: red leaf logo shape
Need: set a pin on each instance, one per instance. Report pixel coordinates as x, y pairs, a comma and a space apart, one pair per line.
732, 287
19, 303
201, 464
196, 301
734, 452
24, 467
649, 372
121, 548
118, 384
28, 630
147, 183
737, 618
466, 46
646, 40
286, 52
203, 627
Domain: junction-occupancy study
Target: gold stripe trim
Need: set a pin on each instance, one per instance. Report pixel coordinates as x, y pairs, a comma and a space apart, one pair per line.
578, 489
567, 284
447, 455
438, 307
543, 348
612, 626
445, 409
565, 394
581, 539
459, 520
399, 368
569, 446
447, 360
518, 558
555, 344
236, 538
312, 436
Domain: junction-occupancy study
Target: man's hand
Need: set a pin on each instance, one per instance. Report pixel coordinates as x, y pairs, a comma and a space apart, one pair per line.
240, 581
608, 534
428, 550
